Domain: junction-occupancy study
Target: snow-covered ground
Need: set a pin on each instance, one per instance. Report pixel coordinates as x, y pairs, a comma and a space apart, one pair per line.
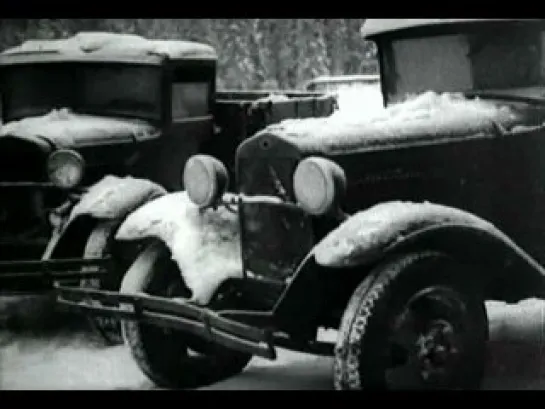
71, 359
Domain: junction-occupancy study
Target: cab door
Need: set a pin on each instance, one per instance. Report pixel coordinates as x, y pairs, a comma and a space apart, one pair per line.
190, 94
519, 196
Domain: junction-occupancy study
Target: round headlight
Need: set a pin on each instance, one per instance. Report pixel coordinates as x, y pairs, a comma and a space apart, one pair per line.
65, 168
205, 180
318, 185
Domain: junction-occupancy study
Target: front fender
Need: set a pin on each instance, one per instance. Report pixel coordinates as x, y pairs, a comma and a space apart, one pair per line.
112, 198
325, 280
371, 235
204, 244
363, 237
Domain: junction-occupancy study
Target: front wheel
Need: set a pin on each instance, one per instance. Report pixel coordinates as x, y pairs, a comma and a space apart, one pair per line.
415, 323
99, 245
171, 358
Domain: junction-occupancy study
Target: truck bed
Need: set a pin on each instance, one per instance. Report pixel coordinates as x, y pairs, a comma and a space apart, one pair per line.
240, 114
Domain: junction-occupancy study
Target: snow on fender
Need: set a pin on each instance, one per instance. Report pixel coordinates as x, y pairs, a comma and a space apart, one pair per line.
113, 197
204, 244
363, 236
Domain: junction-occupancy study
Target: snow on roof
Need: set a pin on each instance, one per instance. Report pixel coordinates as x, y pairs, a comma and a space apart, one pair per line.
104, 44
424, 118
373, 27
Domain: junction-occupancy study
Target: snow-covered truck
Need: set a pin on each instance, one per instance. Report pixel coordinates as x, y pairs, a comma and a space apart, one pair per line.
393, 229
94, 126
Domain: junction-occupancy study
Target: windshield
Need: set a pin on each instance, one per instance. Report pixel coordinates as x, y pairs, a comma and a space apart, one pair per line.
94, 88
484, 60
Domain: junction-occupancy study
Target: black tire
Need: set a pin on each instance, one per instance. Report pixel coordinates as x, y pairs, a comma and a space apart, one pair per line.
367, 352
98, 245
163, 355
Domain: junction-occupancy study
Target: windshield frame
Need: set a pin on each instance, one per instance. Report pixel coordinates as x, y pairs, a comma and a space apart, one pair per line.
79, 103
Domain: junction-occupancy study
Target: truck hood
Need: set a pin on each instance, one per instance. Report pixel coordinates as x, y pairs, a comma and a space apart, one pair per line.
427, 117
66, 129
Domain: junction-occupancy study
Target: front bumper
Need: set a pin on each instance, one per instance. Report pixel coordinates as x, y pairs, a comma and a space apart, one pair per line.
24, 276
210, 325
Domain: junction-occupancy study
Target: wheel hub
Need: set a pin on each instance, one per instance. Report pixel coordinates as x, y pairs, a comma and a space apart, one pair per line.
436, 349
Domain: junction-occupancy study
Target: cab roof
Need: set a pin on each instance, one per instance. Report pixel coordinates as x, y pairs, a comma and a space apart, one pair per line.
376, 27
107, 46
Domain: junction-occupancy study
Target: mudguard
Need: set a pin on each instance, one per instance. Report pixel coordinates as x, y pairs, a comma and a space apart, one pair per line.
365, 235
371, 236
204, 244
112, 198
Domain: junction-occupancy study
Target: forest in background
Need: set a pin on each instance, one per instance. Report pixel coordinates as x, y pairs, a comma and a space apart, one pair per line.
253, 53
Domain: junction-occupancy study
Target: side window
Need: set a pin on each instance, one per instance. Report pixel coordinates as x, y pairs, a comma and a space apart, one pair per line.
508, 59
189, 99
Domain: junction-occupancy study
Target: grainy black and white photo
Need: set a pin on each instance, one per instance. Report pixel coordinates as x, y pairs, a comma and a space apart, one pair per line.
272, 204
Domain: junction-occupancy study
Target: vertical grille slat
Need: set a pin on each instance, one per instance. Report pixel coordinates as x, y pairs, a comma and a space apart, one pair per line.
23, 208
21, 160
276, 237
260, 176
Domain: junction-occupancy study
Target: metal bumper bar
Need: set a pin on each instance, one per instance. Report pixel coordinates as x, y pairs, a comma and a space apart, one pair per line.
32, 272
173, 313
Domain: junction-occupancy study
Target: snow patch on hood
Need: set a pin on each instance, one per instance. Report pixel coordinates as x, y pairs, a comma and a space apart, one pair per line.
424, 117
205, 245
66, 129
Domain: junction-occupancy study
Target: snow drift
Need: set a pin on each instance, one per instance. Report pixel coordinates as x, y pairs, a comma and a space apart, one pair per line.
205, 245
428, 116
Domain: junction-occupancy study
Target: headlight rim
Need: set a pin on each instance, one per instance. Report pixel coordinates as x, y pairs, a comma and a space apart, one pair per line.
51, 168
216, 175
334, 179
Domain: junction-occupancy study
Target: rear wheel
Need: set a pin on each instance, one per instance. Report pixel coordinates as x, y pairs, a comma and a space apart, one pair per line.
172, 358
415, 323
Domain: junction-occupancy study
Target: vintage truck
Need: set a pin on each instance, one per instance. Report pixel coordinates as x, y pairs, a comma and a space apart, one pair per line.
94, 126
393, 229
